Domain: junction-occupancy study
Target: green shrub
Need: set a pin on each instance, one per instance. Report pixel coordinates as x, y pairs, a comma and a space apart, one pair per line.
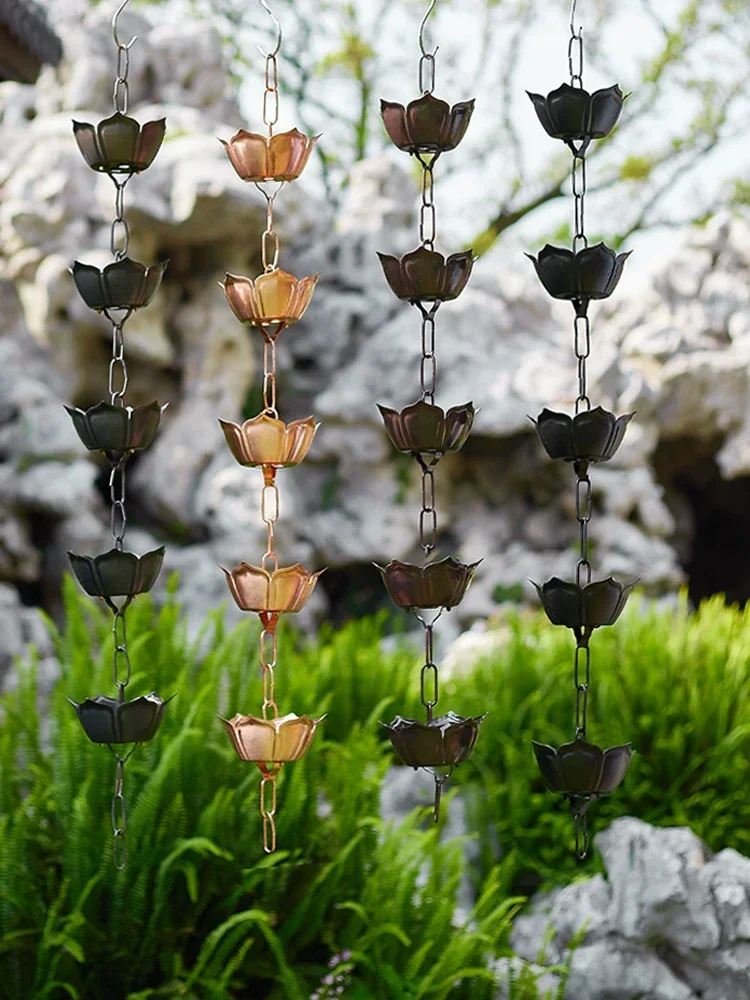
200, 912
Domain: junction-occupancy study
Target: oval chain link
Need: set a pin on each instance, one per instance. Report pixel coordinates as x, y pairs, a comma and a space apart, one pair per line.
271, 94
427, 210
269, 820
269, 376
119, 818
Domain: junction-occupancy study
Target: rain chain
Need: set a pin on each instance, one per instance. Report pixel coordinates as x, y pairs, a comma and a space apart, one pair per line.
119, 147
581, 771
426, 128
271, 303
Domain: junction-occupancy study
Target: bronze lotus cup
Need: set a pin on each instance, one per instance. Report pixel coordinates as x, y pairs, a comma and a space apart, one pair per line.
590, 436
591, 273
425, 429
265, 440
116, 573
119, 145
108, 720
441, 742
257, 158
584, 608
426, 125
583, 769
117, 430
285, 590
440, 584
272, 741
275, 297
125, 284
574, 115
424, 275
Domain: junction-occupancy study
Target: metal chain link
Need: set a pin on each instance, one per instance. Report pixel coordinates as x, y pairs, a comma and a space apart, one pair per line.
270, 259
427, 211
119, 818
428, 364
118, 518
120, 654
582, 834
579, 187
269, 513
269, 820
268, 666
269, 375
271, 94
118, 366
575, 49
428, 514
429, 672
583, 516
582, 687
119, 235
121, 91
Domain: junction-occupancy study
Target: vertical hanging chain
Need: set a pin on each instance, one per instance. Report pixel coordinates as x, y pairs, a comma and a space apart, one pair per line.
268, 811
428, 364
269, 374
427, 211
428, 513
427, 62
119, 817
118, 519
575, 50
269, 241
120, 657
582, 678
118, 369
119, 237
429, 680
269, 512
271, 94
121, 91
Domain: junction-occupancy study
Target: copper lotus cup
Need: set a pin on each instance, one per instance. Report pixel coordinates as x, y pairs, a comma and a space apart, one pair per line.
581, 768
424, 275
271, 741
440, 584
118, 145
426, 125
283, 157
593, 606
442, 742
266, 440
117, 429
125, 284
285, 590
117, 574
274, 297
108, 720
425, 429
589, 436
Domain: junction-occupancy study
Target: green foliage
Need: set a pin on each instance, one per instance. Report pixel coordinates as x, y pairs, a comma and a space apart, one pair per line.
200, 912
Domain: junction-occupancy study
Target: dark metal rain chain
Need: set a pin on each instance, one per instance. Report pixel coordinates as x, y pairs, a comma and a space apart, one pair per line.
271, 303
579, 770
426, 129
119, 147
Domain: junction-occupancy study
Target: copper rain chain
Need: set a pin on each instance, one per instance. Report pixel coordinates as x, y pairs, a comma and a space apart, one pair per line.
426, 128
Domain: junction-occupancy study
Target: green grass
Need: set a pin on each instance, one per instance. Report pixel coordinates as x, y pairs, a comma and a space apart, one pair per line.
201, 913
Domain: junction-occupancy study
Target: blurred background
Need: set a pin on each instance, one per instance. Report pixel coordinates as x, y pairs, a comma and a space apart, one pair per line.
673, 508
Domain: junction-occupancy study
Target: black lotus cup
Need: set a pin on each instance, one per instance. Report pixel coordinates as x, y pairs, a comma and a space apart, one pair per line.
583, 769
119, 145
584, 608
425, 429
108, 720
424, 275
579, 277
574, 115
117, 574
117, 430
124, 284
440, 584
590, 436
442, 742
426, 125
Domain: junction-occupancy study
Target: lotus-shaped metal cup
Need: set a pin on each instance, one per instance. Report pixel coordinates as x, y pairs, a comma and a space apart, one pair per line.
125, 284
589, 436
588, 607
107, 720
424, 275
425, 429
118, 145
442, 742
285, 590
117, 574
278, 741
266, 440
574, 115
283, 157
440, 584
275, 297
592, 273
427, 125
117, 430
582, 769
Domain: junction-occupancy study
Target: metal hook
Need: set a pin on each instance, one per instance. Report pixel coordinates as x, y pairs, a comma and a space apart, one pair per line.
115, 35
279, 33
421, 32
574, 33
